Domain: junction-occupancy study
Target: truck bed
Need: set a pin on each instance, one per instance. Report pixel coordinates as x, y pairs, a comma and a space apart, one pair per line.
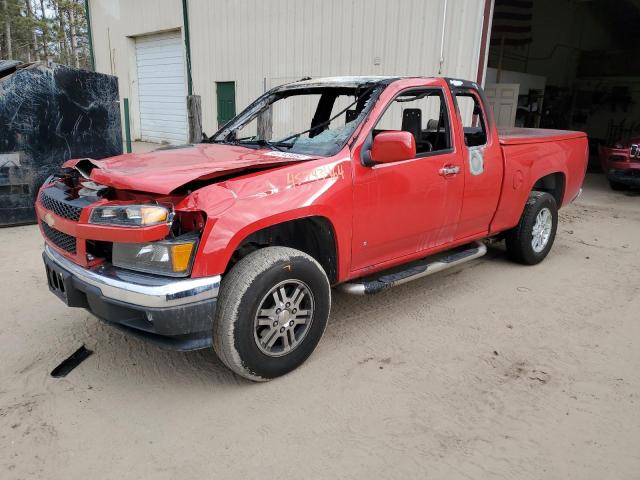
521, 136
529, 155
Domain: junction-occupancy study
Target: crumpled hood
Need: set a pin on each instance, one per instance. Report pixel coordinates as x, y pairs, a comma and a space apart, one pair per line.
163, 171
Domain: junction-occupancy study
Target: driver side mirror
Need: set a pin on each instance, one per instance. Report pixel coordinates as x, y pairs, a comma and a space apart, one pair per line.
393, 146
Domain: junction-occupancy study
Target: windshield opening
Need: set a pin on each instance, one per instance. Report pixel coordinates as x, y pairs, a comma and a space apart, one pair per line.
311, 120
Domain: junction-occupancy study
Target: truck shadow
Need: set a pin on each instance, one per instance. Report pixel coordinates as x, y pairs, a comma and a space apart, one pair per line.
139, 362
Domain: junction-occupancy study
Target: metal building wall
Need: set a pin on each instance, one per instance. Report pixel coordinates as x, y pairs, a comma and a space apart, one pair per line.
262, 43
259, 43
114, 26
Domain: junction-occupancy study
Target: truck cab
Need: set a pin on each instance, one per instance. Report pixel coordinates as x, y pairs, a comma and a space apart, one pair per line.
359, 183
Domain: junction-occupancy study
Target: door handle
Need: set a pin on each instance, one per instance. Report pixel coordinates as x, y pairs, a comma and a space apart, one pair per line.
449, 170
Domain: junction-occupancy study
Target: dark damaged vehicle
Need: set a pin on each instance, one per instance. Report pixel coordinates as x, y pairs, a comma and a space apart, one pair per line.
357, 182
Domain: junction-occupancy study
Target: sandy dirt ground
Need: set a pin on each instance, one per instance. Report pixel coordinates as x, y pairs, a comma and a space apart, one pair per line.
492, 370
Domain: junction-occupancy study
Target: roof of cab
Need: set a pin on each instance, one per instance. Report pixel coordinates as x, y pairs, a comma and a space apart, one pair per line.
352, 81
344, 81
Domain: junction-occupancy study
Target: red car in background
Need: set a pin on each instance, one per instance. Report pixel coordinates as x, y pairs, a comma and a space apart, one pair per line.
621, 163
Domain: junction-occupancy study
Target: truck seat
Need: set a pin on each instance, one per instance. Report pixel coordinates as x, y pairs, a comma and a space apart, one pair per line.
432, 124
412, 122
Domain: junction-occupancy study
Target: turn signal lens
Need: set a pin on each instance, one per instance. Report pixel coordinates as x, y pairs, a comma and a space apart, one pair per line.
172, 257
181, 256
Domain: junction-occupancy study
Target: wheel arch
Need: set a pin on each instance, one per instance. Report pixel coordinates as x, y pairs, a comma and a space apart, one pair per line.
314, 235
553, 183
515, 194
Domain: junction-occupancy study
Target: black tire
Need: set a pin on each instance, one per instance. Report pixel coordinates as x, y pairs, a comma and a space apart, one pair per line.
519, 239
245, 289
617, 186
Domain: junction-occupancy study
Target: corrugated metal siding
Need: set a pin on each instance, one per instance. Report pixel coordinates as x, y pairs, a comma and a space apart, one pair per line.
257, 43
115, 25
254, 42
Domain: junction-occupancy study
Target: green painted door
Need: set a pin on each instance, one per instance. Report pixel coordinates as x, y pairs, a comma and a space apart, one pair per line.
226, 93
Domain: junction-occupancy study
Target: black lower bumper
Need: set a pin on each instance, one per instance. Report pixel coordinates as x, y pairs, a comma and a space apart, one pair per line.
630, 177
188, 326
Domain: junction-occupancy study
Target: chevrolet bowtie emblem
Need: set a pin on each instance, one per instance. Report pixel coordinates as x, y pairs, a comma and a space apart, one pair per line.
49, 220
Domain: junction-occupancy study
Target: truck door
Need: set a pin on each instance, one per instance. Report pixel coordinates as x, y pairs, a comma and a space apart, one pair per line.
402, 208
482, 163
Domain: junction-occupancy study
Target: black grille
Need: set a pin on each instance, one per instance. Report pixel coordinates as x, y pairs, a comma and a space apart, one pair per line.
60, 239
59, 207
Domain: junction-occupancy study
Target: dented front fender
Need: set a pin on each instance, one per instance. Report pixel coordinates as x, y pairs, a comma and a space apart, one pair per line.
319, 188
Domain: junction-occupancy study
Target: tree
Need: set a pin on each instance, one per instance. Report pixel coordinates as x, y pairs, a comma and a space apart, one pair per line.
8, 40
31, 19
60, 31
72, 16
44, 21
44, 29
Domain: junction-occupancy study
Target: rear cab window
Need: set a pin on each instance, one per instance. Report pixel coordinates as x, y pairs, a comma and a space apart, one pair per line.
472, 116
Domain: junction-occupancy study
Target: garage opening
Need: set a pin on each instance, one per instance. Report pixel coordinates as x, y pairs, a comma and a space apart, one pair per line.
162, 92
569, 64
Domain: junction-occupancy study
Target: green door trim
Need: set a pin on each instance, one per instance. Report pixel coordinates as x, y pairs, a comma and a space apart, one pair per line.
226, 101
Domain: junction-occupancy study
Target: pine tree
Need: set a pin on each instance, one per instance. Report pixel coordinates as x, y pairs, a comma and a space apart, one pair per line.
8, 37
56, 30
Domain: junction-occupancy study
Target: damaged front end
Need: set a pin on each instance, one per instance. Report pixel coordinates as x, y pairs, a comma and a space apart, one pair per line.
127, 257
86, 222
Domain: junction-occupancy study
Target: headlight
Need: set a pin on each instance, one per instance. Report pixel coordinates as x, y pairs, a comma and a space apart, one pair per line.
131, 215
166, 257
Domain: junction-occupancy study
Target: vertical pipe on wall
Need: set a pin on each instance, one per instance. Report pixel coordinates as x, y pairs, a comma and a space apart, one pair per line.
187, 46
111, 51
499, 71
444, 24
127, 126
89, 35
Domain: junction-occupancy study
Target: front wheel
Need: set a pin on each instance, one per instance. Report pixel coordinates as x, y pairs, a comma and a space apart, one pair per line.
272, 311
531, 240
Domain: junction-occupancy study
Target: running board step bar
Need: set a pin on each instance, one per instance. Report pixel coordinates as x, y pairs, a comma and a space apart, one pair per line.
416, 270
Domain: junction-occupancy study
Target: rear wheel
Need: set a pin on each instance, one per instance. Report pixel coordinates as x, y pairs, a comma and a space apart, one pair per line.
272, 311
531, 240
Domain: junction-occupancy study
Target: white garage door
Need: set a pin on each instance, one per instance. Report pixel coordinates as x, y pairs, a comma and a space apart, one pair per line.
161, 88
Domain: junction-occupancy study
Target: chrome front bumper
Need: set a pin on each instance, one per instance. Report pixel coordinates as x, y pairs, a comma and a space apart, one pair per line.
141, 290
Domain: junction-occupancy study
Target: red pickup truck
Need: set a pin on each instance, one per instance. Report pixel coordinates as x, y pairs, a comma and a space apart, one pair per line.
621, 163
361, 183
